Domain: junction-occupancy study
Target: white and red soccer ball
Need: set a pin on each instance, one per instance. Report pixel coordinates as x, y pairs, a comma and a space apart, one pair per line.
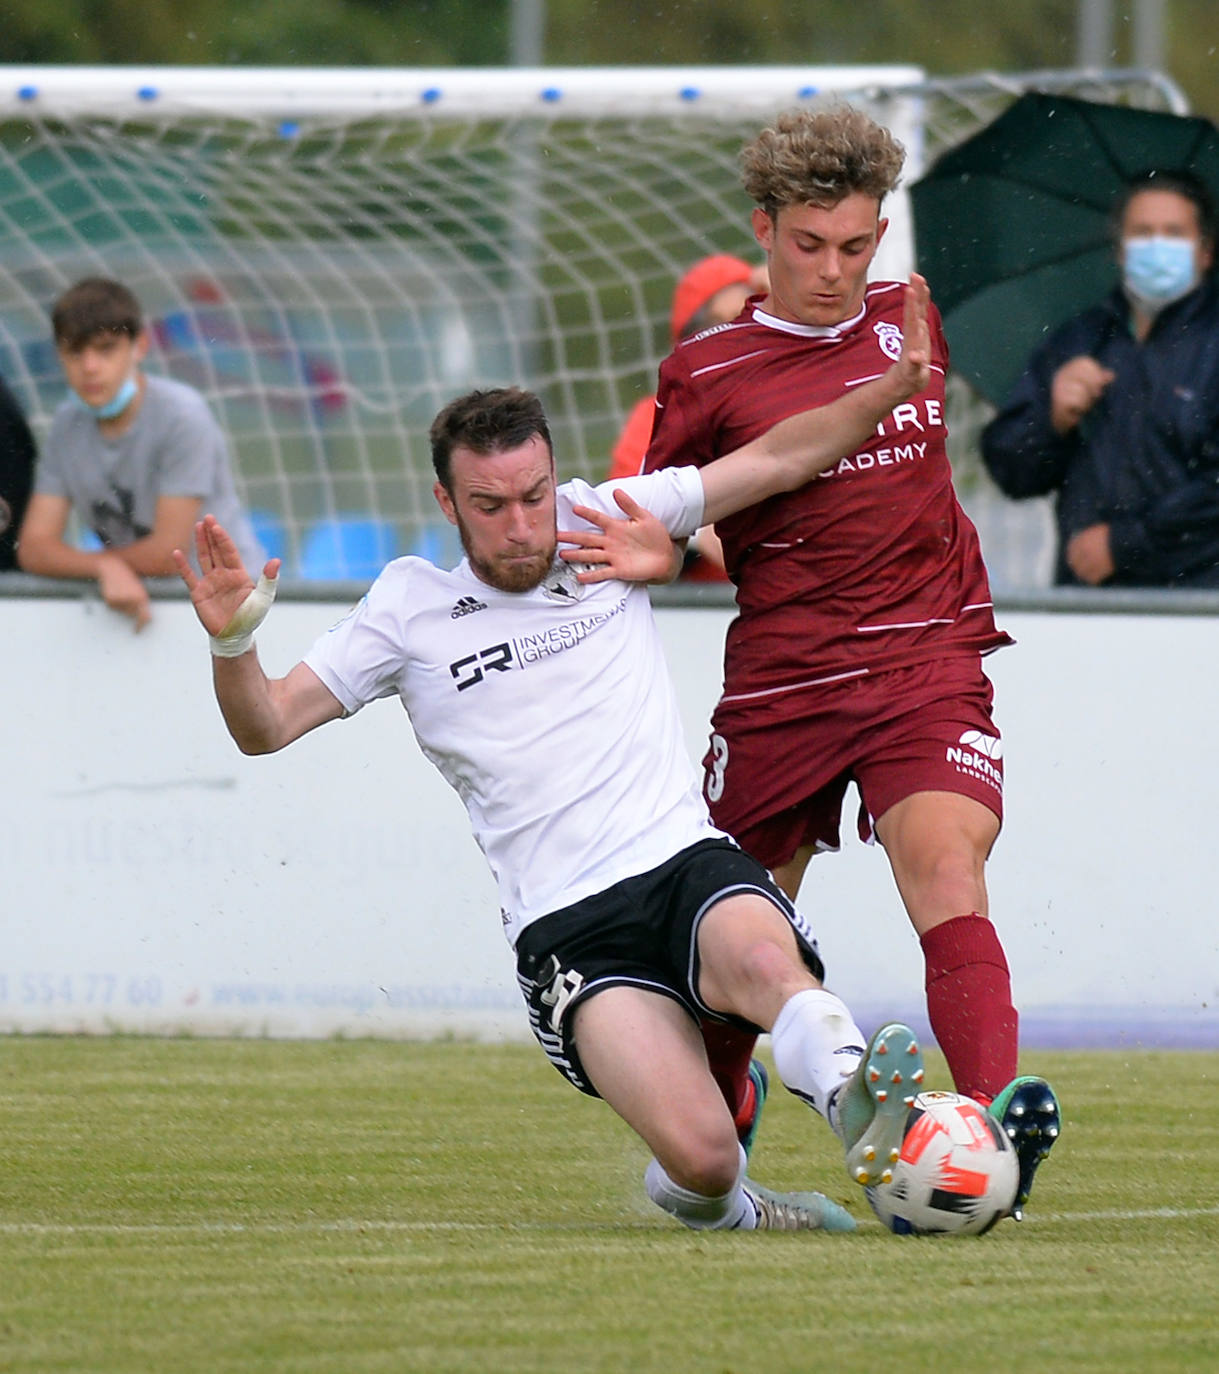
957, 1173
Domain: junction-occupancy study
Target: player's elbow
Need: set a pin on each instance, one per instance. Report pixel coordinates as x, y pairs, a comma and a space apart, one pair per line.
252, 747
266, 734
252, 738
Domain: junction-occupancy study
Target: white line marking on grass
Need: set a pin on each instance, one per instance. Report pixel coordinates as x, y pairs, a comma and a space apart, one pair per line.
1144, 1214
275, 1228
350, 1226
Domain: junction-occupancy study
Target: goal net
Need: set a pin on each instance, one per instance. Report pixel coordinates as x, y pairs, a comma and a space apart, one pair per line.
330, 255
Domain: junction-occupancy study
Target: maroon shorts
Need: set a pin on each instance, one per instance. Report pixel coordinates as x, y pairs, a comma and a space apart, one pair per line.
777, 770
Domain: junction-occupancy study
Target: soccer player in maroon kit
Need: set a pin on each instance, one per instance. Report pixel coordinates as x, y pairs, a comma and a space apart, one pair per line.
864, 603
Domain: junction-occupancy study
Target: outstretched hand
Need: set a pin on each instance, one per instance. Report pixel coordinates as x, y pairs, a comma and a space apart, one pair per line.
221, 590
913, 368
633, 548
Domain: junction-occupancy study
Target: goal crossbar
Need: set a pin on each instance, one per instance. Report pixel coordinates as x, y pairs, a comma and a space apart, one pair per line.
351, 92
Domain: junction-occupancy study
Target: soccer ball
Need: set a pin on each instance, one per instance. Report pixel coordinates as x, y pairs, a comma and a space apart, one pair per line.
957, 1173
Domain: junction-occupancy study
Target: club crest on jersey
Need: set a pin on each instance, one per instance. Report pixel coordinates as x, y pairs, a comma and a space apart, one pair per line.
889, 336
561, 583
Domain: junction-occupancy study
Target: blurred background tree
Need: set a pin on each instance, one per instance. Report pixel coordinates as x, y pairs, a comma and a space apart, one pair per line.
948, 38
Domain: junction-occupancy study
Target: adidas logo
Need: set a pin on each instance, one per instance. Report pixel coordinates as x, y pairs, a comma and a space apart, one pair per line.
466, 605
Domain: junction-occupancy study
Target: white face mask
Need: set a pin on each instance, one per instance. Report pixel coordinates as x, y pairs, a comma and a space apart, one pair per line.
1157, 270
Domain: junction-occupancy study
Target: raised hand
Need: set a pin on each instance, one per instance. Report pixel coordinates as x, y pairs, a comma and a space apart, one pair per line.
914, 365
636, 548
224, 585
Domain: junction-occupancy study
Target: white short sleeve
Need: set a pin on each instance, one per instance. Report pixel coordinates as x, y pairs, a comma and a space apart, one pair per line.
673, 495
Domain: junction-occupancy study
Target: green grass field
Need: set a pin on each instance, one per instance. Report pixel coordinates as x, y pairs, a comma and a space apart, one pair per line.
182, 1205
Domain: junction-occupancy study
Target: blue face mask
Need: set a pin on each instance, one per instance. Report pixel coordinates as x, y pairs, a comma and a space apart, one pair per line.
118, 403
1157, 271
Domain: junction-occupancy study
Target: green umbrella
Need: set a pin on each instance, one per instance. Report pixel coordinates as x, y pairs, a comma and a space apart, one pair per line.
1012, 227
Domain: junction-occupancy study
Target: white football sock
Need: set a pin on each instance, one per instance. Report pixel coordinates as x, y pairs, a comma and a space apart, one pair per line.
817, 1046
732, 1211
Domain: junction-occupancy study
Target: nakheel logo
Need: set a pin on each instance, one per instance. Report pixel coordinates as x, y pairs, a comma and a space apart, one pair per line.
989, 745
980, 755
466, 605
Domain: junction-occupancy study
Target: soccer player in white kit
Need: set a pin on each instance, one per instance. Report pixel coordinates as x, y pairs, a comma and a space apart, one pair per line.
546, 703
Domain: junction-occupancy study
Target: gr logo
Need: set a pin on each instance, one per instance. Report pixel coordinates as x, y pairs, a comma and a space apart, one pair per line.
474, 667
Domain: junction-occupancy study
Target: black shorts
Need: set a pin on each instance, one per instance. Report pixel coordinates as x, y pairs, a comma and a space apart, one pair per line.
642, 932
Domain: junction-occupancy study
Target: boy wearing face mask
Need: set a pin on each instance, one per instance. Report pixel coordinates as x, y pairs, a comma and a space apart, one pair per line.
1117, 413
138, 457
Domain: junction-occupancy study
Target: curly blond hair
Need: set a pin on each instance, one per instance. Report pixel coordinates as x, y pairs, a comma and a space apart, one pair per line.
817, 157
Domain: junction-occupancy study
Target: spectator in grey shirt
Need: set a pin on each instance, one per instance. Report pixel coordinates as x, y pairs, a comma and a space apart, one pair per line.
139, 458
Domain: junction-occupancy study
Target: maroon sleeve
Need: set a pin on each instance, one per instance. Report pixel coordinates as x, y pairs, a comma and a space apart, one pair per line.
680, 433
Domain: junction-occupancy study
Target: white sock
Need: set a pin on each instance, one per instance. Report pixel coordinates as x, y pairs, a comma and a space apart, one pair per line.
817, 1046
732, 1211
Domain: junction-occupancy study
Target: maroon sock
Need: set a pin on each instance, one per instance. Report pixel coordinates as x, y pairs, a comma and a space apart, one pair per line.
969, 1004
729, 1050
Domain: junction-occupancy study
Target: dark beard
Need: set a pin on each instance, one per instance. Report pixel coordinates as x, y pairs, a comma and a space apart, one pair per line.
515, 577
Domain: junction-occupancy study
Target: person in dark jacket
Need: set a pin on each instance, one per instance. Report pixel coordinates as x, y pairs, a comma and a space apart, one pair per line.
1118, 411
17, 456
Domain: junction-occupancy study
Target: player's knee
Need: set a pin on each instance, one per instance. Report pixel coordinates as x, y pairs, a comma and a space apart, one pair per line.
946, 872
706, 1162
953, 880
768, 964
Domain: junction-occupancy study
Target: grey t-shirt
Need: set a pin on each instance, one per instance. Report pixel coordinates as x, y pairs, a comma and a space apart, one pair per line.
174, 448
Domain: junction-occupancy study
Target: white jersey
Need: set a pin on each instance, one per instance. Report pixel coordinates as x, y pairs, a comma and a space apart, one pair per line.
550, 712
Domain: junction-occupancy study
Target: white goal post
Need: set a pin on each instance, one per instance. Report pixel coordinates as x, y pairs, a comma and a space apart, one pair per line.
331, 254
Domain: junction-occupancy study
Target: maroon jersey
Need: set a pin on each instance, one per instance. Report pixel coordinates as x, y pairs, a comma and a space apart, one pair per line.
873, 564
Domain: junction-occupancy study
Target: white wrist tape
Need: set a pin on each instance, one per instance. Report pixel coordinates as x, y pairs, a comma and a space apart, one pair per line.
237, 637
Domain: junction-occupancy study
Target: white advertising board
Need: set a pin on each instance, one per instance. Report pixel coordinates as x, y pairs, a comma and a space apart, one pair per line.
155, 880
